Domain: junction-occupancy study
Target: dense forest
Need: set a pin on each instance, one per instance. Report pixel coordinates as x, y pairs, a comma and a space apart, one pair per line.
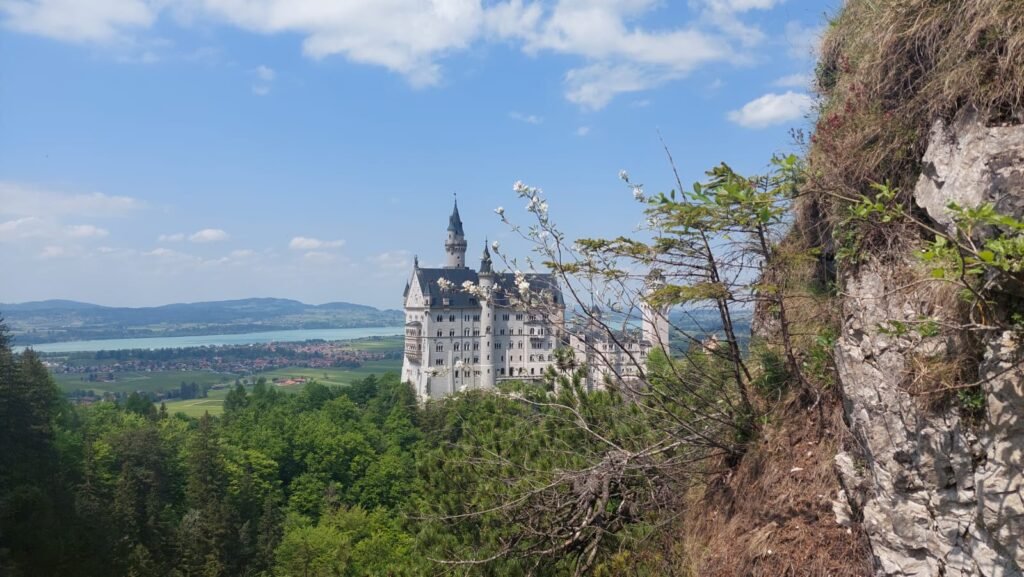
357, 480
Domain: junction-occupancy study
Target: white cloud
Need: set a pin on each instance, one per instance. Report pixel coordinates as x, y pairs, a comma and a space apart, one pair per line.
243, 253
79, 20
803, 42
305, 243
85, 231
772, 109
176, 237
392, 260
527, 118
265, 73
265, 77
54, 251
798, 80
208, 235
25, 200
412, 37
162, 252
582, 131
25, 227
594, 86
316, 256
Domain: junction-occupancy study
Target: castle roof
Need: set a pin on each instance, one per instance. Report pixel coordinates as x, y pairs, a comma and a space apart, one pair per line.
504, 285
455, 222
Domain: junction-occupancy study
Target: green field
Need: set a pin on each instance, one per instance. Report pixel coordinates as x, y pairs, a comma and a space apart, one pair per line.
332, 376
128, 382
213, 404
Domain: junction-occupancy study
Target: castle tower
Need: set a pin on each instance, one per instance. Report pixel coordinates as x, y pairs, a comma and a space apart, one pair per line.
655, 318
455, 243
487, 376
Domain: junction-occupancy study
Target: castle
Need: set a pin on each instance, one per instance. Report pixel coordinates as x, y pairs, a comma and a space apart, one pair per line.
469, 329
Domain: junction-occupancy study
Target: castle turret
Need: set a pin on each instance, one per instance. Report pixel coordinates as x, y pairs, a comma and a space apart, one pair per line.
455, 243
655, 317
487, 376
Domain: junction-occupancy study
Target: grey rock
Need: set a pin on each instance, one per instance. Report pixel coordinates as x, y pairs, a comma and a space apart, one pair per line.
937, 496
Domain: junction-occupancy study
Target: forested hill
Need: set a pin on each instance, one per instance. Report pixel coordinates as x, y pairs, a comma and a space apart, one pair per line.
62, 320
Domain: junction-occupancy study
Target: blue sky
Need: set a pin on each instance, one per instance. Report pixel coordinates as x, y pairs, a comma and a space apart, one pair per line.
156, 151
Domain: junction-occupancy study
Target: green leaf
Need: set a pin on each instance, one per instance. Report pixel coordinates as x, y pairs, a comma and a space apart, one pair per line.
938, 273
987, 256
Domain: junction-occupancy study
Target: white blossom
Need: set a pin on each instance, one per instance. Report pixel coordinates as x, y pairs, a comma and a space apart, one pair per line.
445, 284
495, 246
500, 210
623, 175
638, 192
520, 188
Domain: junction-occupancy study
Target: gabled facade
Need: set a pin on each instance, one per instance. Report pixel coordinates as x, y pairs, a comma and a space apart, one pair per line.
457, 339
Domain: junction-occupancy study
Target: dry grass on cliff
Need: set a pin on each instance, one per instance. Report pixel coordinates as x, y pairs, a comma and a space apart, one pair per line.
772, 515
888, 70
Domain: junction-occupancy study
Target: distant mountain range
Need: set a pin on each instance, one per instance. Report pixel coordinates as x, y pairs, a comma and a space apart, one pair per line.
62, 320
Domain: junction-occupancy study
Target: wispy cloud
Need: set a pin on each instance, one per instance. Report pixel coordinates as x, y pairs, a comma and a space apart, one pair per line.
28, 200
86, 231
772, 109
527, 118
208, 235
264, 79
582, 131
176, 237
798, 80
306, 243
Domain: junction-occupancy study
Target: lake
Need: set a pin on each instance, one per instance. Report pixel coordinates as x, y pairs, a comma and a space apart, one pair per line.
214, 340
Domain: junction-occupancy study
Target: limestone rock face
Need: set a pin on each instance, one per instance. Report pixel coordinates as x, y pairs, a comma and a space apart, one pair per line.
938, 495
969, 163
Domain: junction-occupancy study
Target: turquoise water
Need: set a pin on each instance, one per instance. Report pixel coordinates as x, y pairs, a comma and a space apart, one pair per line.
213, 340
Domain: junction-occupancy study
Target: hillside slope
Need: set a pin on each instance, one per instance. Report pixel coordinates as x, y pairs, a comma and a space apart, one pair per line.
61, 320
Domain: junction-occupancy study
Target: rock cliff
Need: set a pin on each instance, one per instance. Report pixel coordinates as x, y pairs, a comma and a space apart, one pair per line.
939, 487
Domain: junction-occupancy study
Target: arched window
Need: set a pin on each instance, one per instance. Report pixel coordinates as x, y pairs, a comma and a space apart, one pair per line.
439, 348
456, 346
451, 318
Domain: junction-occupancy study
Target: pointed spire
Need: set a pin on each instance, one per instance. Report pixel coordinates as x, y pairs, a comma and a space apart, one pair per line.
454, 221
485, 261
415, 261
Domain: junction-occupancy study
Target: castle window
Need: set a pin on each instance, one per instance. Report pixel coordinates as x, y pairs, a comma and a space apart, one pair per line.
465, 332
476, 360
531, 330
451, 333
476, 317
504, 317
440, 318
531, 370
519, 317
503, 371
451, 318
520, 344
465, 318
497, 346
503, 332
439, 362
440, 332
439, 348
476, 346
476, 332
520, 330
457, 346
